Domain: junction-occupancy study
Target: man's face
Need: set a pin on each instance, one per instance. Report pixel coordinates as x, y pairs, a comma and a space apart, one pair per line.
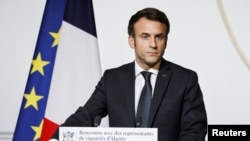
149, 43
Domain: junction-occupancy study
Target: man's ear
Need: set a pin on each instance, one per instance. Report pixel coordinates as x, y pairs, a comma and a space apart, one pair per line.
131, 41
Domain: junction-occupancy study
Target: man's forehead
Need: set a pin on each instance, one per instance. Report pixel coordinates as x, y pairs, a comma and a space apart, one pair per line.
149, 26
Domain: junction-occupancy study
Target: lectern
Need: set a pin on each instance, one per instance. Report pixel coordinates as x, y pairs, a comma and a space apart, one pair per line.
107, 134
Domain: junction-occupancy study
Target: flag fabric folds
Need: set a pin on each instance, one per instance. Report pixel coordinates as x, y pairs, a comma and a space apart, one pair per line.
64, 70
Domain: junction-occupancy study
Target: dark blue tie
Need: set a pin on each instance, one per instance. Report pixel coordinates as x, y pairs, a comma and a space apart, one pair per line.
145, 100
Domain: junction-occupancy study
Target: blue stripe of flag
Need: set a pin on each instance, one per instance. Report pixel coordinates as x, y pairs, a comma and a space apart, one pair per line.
77, 11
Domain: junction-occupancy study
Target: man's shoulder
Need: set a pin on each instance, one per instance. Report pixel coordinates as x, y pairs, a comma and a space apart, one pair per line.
176, 68
119, 73
181, 73
123, 69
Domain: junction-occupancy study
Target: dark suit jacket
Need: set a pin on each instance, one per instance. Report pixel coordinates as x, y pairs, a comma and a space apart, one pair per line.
177, 108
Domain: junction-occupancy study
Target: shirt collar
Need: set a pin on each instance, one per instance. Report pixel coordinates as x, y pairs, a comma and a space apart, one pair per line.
138, 70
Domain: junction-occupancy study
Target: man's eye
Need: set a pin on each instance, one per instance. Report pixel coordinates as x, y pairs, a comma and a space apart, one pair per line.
160, 37
145, 37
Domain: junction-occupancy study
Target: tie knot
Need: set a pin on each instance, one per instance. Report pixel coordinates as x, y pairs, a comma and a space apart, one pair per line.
146, 75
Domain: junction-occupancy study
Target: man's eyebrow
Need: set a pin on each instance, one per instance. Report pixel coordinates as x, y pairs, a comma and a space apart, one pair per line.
144, 33
156, 35
160, 34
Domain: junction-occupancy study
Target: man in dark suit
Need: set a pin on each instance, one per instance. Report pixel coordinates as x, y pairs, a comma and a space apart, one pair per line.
177, 107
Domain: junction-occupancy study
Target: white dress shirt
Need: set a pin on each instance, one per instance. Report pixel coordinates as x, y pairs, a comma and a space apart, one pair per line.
140, 81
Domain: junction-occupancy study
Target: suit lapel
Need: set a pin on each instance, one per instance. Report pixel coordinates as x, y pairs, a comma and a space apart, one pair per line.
129, 82
162, 82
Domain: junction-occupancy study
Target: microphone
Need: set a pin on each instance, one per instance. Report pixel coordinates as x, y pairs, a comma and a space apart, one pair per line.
138, 121
97, 121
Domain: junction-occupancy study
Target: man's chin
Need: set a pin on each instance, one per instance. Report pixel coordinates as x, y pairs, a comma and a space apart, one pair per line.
153, 63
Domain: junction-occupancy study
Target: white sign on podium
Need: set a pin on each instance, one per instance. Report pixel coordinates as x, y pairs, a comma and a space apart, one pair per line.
107, 134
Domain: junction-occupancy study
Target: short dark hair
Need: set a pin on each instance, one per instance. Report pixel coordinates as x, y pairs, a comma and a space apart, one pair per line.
151, 14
